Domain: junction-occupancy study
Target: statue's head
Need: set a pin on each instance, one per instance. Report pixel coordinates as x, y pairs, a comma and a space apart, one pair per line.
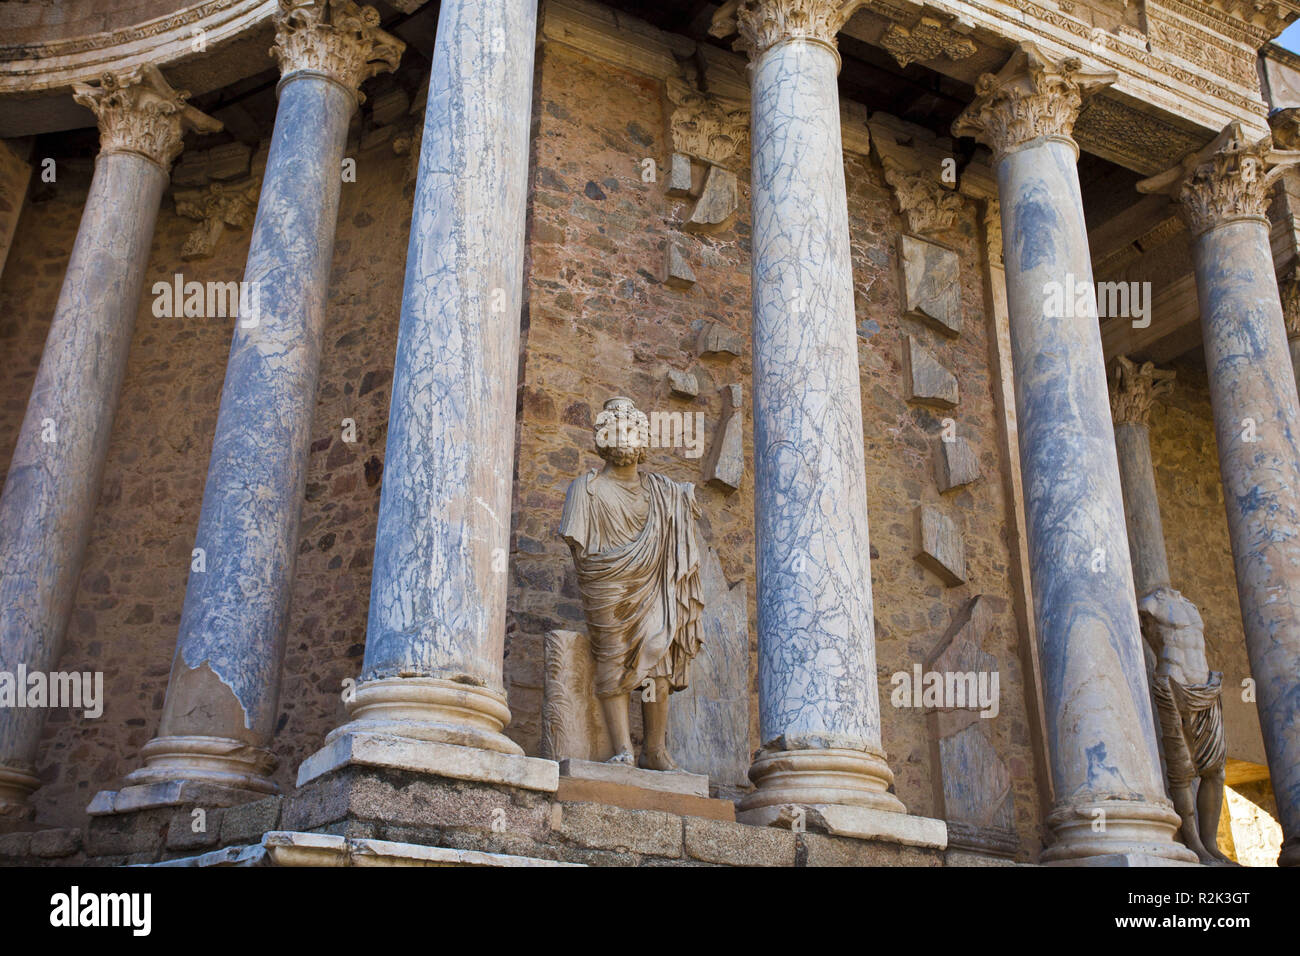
1165, 611
622, 432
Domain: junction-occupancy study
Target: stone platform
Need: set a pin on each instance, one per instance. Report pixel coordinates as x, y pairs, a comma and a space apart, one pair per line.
618, 785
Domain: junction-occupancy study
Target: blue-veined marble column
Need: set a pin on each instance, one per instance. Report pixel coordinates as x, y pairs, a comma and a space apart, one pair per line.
435, 637
1109, 794
1224, 194
220, 710
54, 475
819, 709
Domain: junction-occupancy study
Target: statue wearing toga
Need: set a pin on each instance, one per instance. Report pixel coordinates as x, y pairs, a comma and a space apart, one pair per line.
634, 545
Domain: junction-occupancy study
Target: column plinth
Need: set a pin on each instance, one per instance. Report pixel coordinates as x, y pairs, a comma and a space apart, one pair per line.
435, 641
1101, 737
54, 476
818, 697
1223, 191
219, 716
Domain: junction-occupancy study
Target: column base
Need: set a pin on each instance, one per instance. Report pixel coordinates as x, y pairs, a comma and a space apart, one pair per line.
213, 761
17, 784
1115, 828
817, 777
430, 709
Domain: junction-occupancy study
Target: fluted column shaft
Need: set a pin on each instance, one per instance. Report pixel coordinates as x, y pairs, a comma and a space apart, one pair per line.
1105, 764
220, 710
435, 637
1223, 190
819, 709
54, 476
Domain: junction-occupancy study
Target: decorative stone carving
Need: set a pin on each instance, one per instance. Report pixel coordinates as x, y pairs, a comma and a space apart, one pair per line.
1229, 179
762, 24
635, 547
941, 547
931, 283
930, 39
1130, 137
914, 160
216, 207
333, 38
955, 464
1133, 388
927, 205
928, 382
139, 112
993, 230
725, 466
974, 783
572, 724
1031, 97
711, 129
1189, 711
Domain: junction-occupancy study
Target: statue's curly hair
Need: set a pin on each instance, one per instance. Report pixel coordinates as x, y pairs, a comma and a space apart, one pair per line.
619, 416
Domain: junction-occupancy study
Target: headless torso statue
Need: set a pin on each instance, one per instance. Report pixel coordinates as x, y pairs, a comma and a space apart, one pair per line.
634, 545
1189, 716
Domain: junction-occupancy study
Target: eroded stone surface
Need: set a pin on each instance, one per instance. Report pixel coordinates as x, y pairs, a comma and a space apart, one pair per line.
725, 465
955, 463
931, 283
940, 545
928, 382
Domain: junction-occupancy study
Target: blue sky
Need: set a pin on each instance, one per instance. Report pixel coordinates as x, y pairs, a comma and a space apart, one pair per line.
1290, 38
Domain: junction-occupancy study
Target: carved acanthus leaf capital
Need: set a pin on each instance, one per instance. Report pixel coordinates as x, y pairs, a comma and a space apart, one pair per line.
139, 112
216, 207
1030, 98
927, 205
760, 25
930, 39
706, 126
1229, 179
1133, 388
334, 38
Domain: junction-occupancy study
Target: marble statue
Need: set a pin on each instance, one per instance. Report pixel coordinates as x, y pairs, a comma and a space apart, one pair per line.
635, 547
1189, 716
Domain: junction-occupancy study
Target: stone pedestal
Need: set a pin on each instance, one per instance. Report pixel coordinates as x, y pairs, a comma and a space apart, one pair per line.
1105, 765
220, 712
436, 633
54, 475
818, 696
1224, 193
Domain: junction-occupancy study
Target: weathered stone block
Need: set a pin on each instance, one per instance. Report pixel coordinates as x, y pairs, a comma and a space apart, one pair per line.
931, 283
683, 384
15, 846
955, 464
928, 382
717, 203
625, 831
819, 850
734, 844
247, 823
716, 341
725, 466
55, 843
192, 829
678, 272
679, 175
940, 545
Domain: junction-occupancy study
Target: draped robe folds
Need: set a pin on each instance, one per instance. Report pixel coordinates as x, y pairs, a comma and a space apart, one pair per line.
640, 585
1191, 723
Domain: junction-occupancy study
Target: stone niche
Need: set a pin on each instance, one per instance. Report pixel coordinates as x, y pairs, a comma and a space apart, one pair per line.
708, 723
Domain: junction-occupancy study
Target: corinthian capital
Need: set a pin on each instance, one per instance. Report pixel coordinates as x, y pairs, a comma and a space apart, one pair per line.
139, 112
333, 38
760, 25
1031, 97
1134, 387
1226, 181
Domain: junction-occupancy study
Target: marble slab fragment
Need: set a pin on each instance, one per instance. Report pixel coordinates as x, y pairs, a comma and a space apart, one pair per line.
928, 382
941, 547
931, 283
955, 464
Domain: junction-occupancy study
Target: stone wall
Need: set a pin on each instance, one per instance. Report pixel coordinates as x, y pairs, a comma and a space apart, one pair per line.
132, 586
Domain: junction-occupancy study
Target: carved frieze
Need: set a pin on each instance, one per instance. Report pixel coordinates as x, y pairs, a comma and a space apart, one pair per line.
930, 39
216, 207
139, 112
335, 38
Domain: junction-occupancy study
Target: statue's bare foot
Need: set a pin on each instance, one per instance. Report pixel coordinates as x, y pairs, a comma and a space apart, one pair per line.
656, 760
626, 759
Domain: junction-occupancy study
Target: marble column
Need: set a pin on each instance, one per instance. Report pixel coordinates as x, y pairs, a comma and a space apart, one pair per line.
435, 638
1109, 795
1223, 191
1133, 389
819, 709
220, 710
54, 475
